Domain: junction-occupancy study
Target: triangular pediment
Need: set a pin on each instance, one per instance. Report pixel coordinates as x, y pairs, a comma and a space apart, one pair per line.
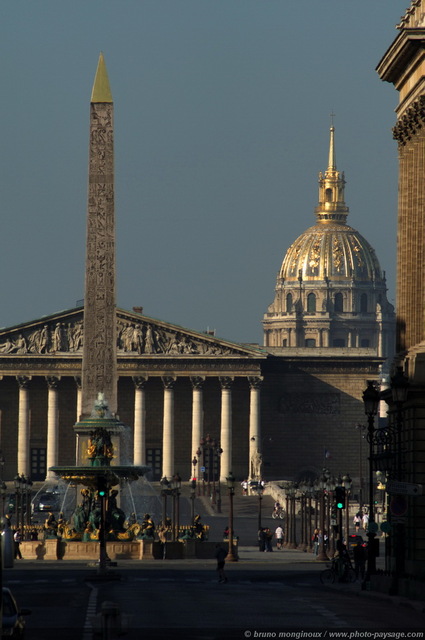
137, 335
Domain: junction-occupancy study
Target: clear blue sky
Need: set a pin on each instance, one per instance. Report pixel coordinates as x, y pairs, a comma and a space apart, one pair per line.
221, 127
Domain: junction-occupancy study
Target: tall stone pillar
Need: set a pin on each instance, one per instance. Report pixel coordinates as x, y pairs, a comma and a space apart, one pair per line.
52, 425
139, 450
197, 415
23, 426
168, 428
99, 350
79, 397
255, 443
226, 427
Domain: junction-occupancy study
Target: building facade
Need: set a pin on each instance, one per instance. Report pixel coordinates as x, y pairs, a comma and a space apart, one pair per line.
404, 66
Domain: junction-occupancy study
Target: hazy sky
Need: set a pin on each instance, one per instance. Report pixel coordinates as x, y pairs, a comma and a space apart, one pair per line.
221, 127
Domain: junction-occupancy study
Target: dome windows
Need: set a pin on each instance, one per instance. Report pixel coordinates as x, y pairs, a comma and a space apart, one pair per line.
338, 303
311, 303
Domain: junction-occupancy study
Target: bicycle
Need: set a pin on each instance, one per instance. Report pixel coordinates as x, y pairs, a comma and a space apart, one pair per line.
332, 573
278, 513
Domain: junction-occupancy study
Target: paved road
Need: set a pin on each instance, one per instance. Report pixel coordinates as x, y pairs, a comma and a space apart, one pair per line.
271, 593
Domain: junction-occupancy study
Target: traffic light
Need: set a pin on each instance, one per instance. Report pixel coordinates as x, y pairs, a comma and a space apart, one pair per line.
102, 487
340, 497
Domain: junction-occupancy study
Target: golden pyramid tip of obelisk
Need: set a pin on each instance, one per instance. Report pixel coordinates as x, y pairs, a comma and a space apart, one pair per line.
101, 91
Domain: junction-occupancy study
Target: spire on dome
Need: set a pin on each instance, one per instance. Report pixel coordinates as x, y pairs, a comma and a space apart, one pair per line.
331, 206
332, 160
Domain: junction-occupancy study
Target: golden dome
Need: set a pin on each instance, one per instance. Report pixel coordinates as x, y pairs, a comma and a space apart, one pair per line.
331, 250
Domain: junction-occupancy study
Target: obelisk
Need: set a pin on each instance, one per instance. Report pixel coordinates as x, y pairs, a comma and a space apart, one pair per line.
99, 350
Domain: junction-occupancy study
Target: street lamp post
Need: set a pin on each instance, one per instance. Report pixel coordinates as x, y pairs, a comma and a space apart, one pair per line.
198, 453
260, 490
371, 397
321, 551
218, 452
176, 483
165, 491
192, 500
347, 484
230, 480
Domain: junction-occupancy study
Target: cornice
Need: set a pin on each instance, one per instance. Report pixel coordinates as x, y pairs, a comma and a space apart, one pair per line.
411, 122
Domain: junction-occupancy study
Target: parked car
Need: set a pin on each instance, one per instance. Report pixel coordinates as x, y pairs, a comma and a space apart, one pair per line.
47, 502
13, 618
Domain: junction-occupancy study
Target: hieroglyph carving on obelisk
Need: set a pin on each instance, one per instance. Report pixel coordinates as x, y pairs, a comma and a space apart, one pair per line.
99, 350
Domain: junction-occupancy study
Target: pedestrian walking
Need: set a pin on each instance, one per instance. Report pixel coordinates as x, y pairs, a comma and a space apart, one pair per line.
357, 521
17, 539
279, 537
220, 555
244, 485
365, 521
269, 538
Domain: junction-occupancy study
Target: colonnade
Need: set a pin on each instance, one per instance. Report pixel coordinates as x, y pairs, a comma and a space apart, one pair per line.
139, 435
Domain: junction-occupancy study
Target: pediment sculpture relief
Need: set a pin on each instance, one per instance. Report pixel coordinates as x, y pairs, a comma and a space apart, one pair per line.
137, 337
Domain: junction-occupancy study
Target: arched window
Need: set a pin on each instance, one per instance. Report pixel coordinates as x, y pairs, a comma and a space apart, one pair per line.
338, 303
363, 303
328, 195
311, 303
289, 303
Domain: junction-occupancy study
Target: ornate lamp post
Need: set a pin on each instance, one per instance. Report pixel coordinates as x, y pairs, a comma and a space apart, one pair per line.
176, 483
371, 397
291, 492
347, 484
198, 453
330, 488
218, 452
260, 490
194, 463
230, 480
321, 551
192, 500
303, 487
165, 491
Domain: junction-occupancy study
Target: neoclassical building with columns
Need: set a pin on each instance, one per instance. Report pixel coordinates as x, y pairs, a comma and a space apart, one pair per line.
281, 410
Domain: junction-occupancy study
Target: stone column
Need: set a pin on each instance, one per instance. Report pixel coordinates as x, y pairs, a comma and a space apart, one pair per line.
139, 442
168, 427
226, 427
79, 397
197, 416
255, 444
24, 426
52, 425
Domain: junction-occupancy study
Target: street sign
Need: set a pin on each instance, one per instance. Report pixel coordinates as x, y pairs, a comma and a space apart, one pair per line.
404, 488
386, 527
203, 469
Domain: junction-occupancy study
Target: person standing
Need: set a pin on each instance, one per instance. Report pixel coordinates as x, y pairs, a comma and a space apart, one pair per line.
220, 555
17, 539
279, 537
